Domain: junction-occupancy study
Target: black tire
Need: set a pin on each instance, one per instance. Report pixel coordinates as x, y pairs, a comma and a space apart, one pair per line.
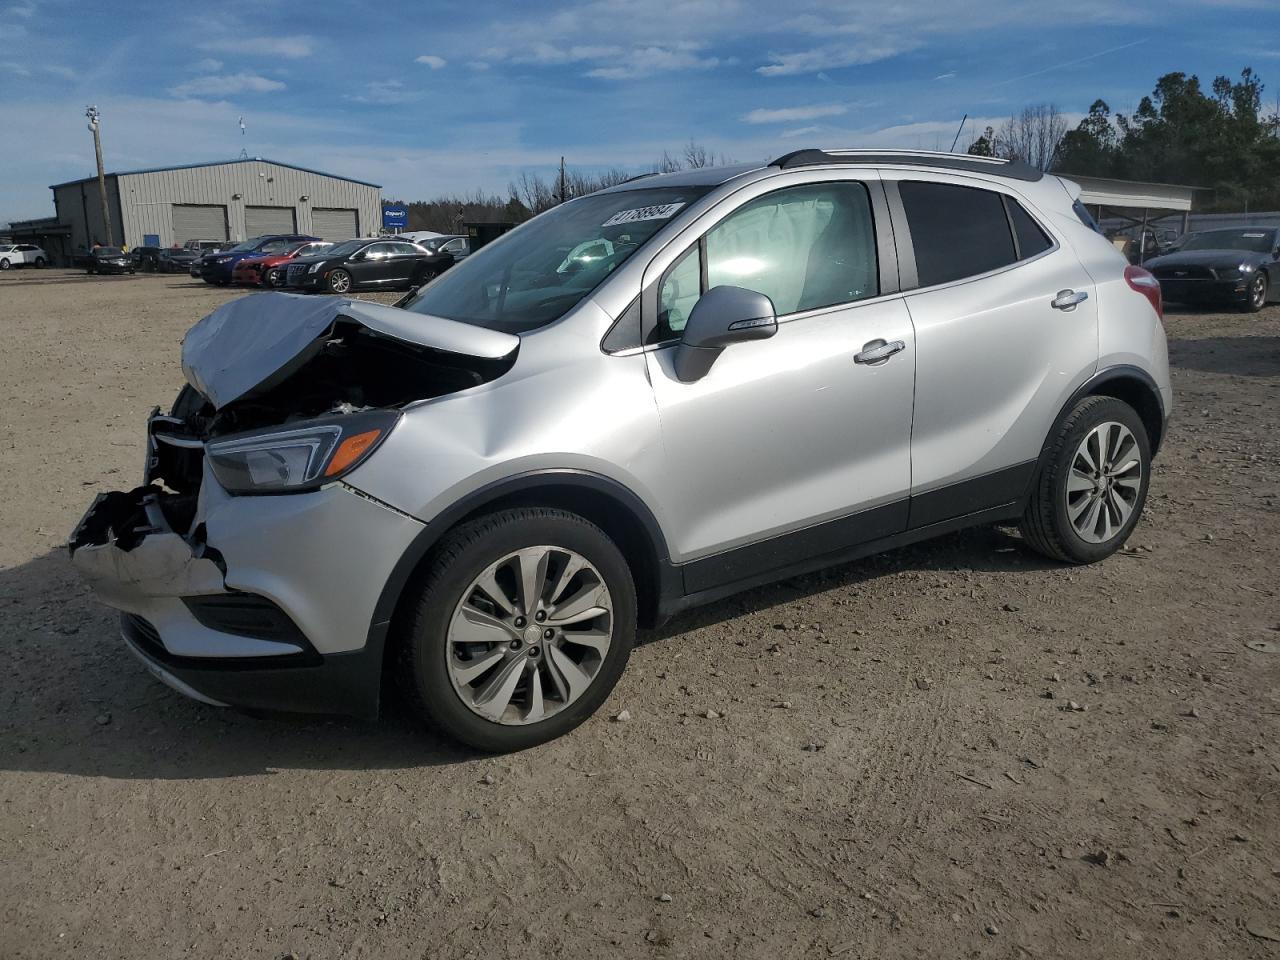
1256, 294
39, 263
339, 282
88, 270
1046, 526
4, 264
462, 555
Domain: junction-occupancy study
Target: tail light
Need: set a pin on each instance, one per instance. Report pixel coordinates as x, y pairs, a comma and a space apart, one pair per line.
1144, 282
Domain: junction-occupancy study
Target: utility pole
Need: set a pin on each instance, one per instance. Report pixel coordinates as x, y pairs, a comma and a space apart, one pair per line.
95, 120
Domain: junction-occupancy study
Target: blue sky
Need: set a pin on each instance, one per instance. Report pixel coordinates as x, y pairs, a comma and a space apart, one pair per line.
430, 97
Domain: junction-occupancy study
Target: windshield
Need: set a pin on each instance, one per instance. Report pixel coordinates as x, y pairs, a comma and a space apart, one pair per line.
246, 245
1255, 241
537, 274
107, 252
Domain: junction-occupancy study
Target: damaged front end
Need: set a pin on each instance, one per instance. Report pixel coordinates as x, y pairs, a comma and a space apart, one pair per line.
227, 560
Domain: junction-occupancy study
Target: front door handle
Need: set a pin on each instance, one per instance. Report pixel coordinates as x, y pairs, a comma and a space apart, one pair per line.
878, 351
1069, 299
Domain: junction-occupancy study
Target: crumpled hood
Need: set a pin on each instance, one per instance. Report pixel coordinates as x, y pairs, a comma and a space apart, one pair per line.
252, 343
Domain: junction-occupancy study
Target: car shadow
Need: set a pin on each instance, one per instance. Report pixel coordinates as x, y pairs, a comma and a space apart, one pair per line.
988, 548
1241, 356
77, 702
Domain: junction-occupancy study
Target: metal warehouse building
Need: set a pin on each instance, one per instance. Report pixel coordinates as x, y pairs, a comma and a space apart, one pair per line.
226, 200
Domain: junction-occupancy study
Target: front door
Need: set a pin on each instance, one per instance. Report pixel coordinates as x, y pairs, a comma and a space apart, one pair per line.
794, 446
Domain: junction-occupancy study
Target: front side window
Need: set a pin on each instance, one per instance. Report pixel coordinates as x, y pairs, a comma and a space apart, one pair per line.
803, 247
957, 232
535, 275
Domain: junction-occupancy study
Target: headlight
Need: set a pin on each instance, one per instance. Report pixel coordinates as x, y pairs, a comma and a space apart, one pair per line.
223, 260
315, 267
299, 458
1246, 268
1230, 273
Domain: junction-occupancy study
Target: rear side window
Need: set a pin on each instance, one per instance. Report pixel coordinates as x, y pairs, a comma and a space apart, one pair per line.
1030, 238
957, 232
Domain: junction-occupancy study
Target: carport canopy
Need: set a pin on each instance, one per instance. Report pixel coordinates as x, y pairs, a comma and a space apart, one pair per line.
1133, 200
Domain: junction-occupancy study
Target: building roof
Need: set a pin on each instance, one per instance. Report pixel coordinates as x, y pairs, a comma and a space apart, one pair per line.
1135, 194
218, 163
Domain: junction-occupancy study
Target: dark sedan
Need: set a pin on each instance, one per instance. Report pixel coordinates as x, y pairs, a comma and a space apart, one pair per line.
366, 264
1239, 265
110, 260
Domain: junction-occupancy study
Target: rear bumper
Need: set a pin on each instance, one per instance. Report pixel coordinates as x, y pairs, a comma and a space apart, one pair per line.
265, 602
1204, 291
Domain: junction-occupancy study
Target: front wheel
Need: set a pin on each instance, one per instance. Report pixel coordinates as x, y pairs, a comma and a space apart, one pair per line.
39, 263
4, 264
339, 281
1256, 295
1091, 489
520, 630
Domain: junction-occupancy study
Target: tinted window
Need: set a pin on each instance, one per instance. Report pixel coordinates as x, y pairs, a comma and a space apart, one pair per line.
957, 232
1031, 239
1255, 241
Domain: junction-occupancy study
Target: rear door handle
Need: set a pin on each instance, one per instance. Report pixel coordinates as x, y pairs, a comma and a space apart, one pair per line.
878, 351
1069, 299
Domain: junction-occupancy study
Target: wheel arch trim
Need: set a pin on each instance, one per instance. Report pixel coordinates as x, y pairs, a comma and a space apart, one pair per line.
1112, 375
507, 488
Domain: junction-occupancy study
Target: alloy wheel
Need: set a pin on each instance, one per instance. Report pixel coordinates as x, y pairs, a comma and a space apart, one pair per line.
529, 635
339, 281
1258, 292
1104, 483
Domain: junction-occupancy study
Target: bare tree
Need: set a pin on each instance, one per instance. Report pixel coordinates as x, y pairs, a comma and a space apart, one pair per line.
1032, 136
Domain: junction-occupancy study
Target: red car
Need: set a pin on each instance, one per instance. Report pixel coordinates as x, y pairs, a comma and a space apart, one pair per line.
264, 272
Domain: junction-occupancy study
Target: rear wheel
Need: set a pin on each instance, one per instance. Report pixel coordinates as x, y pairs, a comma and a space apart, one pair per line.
1090, 491
520, 630
1256, 294
39, 263
339, 281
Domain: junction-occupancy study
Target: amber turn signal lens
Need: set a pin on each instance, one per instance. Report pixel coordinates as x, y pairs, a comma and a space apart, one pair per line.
351, 450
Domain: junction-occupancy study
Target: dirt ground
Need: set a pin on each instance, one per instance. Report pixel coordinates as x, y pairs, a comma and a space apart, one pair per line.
955, 750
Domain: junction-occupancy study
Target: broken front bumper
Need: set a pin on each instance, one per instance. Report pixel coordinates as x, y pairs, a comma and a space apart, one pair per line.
265, 602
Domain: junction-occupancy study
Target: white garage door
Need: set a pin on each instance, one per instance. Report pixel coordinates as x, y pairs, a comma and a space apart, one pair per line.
259, 221
193, 221
333, 223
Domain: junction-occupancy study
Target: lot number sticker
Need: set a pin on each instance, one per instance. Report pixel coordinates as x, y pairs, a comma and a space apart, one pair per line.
659, 211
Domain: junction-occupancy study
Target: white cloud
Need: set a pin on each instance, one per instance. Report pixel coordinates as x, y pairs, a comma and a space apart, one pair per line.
951, 75
25, 10
385, 92
851, 54
431, 60
293, 47
225, 84
800, 132
207, 65
15, 69
645, 61
792, 114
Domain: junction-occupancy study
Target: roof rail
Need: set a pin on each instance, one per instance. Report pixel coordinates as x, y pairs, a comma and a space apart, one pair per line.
1014, 169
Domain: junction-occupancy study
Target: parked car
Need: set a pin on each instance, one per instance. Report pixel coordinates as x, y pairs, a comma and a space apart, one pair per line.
22, 255
176, 260
642, 400
455, 245
366, 264
110, 260
201, 247
268, 271
217, 268
147, 259
1235, 266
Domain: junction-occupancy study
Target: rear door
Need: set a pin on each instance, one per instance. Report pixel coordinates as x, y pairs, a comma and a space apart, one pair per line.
789, 448
995, 358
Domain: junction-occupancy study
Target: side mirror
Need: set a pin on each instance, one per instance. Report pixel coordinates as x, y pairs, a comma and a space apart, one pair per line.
723, 315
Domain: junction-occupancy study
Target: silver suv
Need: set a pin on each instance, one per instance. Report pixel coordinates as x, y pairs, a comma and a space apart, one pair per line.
645, 399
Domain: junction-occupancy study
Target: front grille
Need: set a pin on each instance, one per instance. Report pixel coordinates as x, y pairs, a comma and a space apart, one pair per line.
1183, 273
296, 272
